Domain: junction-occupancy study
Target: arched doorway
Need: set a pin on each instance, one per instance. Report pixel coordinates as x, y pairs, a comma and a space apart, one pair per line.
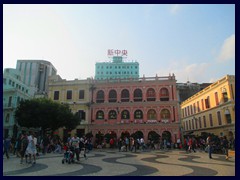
125, 134
154, 137
167, 138
110, 138
99, 139
167, 135
137, 135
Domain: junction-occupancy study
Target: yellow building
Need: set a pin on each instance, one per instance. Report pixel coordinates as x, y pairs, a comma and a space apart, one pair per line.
76, 94
211, 110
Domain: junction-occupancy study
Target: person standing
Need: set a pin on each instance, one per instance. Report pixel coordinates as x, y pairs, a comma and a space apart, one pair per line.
127, 143
209, 143
165, 144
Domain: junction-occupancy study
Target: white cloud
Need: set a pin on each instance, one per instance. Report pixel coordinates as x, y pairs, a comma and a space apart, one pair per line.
227, 52
184, 72
212, 80
175, 8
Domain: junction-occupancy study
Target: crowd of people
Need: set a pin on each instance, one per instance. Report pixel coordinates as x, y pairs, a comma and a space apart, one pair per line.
28, 146
210, 145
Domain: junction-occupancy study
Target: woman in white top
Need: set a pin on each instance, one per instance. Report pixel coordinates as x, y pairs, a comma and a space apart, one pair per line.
31, 149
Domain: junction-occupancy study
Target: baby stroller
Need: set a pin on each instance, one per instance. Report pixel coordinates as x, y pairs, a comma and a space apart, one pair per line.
68, 156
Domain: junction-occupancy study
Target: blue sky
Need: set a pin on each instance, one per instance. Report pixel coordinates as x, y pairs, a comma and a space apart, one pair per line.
195, 42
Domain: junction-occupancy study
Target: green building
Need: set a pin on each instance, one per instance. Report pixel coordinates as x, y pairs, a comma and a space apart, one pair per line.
14, 90
116, 69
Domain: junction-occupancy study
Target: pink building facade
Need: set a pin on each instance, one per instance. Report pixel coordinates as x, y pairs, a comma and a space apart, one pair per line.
128, 106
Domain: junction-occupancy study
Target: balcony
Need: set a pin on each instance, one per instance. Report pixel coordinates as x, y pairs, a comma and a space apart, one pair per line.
9, 106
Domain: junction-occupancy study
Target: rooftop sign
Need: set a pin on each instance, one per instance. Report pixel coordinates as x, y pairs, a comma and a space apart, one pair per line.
117, 52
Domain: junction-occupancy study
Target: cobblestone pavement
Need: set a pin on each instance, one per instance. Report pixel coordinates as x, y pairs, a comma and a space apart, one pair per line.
107, 162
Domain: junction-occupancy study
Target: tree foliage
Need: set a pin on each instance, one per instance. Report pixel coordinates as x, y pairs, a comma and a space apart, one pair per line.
45, 113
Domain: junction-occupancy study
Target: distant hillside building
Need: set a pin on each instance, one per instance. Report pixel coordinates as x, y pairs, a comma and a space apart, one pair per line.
186, 90
116, 69
36, 73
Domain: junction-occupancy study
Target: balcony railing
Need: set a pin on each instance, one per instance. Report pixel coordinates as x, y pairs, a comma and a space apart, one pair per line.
9, 106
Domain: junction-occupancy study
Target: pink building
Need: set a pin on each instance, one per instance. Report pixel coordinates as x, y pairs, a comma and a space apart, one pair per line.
128, 106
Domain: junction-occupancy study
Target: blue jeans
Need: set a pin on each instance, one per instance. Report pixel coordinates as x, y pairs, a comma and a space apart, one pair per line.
210, 151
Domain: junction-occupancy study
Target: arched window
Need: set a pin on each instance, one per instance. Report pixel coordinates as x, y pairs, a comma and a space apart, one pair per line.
125, 114
125, 95
137, 96
164, 94
100, 115
112, 96
138, 114
151, 115
165, 114
112, 114
100, 96
151, 95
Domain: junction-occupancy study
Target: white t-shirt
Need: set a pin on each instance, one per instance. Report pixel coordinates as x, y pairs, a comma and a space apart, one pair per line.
35, 141
75, 142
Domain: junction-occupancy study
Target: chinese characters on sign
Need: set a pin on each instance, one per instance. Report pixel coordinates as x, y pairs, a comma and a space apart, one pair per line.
112, 52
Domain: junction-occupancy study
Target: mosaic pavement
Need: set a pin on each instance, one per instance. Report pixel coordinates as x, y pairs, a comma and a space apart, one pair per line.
113, 163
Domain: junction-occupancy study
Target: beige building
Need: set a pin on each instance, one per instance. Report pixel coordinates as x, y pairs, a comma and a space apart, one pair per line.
76, 93
212, 110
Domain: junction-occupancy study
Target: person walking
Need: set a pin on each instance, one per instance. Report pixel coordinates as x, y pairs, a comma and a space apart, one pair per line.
75, 143
83, 146
120, 144
209, 143
133, 144
7, 143
225, 144
23, 143
45, 143
31, 150
18, 145
194, 144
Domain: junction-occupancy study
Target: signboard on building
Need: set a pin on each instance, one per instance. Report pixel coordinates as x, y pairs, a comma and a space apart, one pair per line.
165, 120
152, 121
117, 52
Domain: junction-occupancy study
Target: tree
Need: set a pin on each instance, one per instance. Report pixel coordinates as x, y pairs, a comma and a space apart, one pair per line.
45, 113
